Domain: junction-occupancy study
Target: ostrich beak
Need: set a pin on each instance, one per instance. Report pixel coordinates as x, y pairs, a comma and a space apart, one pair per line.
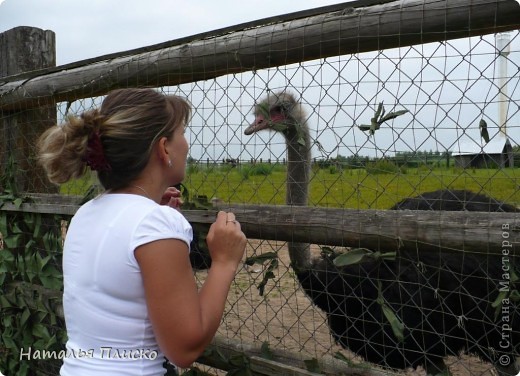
259, 124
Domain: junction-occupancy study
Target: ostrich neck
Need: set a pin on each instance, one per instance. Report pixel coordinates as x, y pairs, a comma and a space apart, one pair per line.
298, 169
298, 178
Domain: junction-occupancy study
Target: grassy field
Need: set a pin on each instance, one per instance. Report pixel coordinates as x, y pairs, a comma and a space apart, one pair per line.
349, 188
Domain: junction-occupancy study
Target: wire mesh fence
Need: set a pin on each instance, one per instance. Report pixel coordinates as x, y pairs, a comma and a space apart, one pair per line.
452, 127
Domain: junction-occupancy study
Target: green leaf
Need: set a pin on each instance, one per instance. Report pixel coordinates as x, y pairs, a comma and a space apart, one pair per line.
40, 331
312, 365
396, 324
16, 228
51, 342
7, 322
498, 301
220, 355
50, 283
260, 259
483, 130
51, 242
379, 118
6, 256
25, 316
342, 357
266, 351
18, 202
4, 303
28, 246
29, 218
392, 115
380, 108
364, 127
13, 241
43, 261
374, 126
263, 283
515, 296
353, 257
8, 342
239, 360
37, 227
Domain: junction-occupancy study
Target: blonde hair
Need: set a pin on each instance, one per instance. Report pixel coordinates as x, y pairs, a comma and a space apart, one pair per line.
128, 124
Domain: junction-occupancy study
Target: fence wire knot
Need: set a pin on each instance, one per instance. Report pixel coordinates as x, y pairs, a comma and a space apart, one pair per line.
460, 321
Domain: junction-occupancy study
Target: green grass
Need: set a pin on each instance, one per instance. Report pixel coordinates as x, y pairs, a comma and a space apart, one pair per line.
349, 188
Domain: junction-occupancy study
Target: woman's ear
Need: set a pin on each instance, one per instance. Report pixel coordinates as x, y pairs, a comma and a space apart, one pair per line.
162, 150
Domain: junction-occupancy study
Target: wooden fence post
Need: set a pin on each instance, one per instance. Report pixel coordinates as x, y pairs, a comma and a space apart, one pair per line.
24, 49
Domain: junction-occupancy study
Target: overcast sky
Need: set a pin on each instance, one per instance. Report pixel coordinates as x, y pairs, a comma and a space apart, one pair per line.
86, 29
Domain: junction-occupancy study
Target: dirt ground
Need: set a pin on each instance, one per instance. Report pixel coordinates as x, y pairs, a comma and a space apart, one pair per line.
286, 319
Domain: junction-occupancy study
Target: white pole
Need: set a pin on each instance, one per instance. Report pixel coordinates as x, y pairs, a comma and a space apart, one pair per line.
502, 45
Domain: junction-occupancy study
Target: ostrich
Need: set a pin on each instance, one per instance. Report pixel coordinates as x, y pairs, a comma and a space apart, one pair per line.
444, 300
454, 200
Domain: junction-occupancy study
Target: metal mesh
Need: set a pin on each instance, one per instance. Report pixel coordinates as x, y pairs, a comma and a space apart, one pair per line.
447, 88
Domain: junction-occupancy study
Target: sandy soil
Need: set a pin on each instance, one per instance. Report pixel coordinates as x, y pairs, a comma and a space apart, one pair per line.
286, 319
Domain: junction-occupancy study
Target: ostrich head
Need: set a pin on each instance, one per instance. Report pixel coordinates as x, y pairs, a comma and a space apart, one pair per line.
281, 112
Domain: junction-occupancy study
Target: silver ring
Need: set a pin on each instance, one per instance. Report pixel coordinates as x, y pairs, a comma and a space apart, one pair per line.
232, 221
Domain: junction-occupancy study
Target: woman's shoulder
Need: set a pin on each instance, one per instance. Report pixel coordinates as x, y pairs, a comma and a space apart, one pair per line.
162, 222
165, 213
110, 205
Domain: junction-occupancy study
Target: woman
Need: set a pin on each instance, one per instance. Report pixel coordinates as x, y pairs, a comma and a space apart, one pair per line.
130, 296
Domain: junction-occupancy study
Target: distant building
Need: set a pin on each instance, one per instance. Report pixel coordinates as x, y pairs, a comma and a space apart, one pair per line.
496, 153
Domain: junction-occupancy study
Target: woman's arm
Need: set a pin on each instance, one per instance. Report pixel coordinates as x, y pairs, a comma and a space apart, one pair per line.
185, 319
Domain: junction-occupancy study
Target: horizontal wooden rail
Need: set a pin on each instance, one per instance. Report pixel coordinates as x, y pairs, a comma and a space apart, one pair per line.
283, 362
387, 230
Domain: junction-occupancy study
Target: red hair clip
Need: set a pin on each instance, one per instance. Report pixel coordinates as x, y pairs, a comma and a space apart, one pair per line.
95, 156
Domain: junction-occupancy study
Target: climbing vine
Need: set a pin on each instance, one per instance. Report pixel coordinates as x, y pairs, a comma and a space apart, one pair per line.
30, 286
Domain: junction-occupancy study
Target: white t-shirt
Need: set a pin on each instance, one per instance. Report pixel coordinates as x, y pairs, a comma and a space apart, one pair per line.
109, 331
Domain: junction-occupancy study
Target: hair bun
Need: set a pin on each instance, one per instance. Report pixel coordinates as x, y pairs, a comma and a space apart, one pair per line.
93, 120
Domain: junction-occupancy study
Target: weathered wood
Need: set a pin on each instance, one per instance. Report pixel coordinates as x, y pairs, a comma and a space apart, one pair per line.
260, 366
282, 362
25, 49
350, 30
386, 230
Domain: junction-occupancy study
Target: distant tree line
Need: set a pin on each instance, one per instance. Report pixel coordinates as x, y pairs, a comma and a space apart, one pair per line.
406, 159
